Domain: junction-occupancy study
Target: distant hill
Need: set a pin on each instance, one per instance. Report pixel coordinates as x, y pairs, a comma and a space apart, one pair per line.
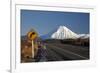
78, 41
48, 35
24, 37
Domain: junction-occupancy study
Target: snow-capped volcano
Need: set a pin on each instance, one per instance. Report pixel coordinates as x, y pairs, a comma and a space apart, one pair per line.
64, 33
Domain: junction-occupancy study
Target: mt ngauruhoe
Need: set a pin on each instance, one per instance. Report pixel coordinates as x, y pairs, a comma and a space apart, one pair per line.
64, 33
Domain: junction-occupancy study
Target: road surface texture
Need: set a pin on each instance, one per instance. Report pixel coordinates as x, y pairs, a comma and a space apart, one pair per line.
64, 52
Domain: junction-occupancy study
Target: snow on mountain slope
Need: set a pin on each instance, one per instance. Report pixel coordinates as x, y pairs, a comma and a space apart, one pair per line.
83, 36
64, 33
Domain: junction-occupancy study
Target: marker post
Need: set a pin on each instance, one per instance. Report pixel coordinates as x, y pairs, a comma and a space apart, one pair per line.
32, 49
32, 35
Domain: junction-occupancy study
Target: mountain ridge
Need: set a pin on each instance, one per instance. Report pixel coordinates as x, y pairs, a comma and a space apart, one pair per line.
64, 33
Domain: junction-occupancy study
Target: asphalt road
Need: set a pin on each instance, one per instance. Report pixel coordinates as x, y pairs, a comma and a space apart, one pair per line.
63, 52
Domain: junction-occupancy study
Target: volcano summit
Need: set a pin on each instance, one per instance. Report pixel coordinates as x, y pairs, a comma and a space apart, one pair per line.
64, 33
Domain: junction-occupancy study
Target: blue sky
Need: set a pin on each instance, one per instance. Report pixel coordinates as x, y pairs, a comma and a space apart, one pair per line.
46, 21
